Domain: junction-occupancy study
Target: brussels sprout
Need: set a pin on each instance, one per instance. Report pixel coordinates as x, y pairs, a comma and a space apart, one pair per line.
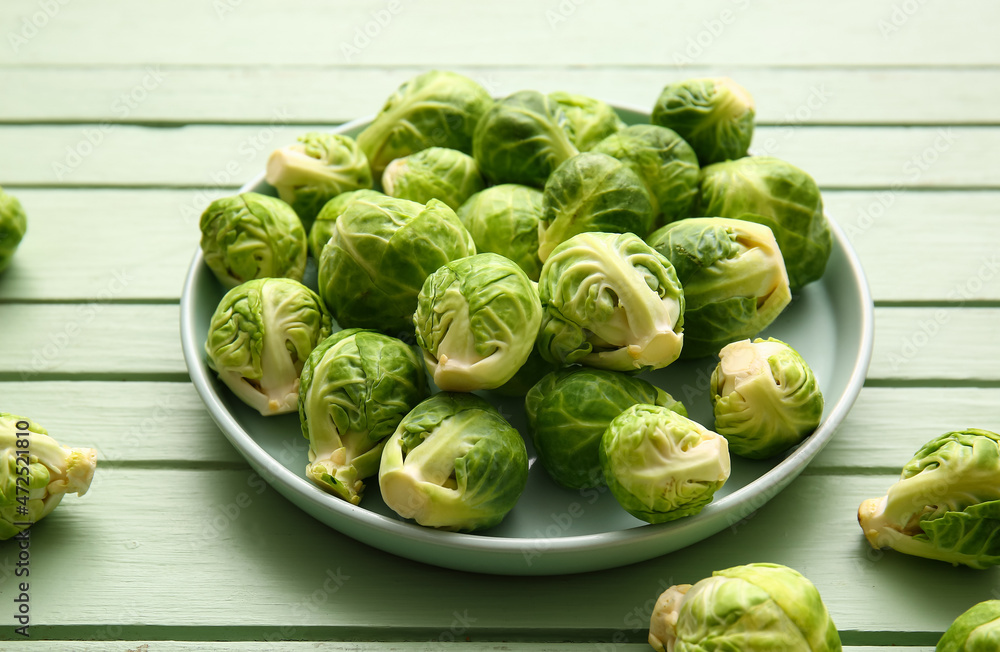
715, 116
315, 170
532, 371
593, 192
610, 301
666, 164
733, 276
434, 109
250, 236
780, 196
765, 397
433, 173
568, 412
322, 228
259, 339
660, 465
766, 607
378, 256
36, 472
357, 385
592, 120
976, 630
946, 504
522, 139
504, 220
454, 463
13, 224
477, 319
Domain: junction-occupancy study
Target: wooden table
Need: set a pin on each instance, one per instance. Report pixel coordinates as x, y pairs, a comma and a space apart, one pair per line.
120, 121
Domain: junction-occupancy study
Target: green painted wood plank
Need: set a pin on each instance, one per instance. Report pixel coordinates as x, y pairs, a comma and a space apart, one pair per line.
338, 94
222, 550
447, 32
912, 344
151, 235
127, 422
201, 155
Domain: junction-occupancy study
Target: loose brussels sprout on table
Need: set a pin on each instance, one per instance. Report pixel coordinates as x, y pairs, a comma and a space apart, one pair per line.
434, 109
665, 163
522, 139
379, 254
592, 192
322, 227
610, 301
733, 276
765, 397
249, 236
765, 607
433, 173
504, 220
454, 463
357, 385
36, 472
592, 120
477, 319
259, 338
976, 630
946, 504
316, 169
13, 225
569, 410
660, 465
782, 197
715, 116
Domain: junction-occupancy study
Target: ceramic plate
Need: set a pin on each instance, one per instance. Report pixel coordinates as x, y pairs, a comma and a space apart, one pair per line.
552, 529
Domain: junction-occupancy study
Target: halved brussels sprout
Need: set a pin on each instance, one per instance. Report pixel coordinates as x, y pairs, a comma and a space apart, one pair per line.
315, 170
610, 301
250, 236
260, 337
36, 472
780, 196
569, 410
715, 116
592, 120
13, 225
357, 385
733, 276
522, 139
593, 192
378, 256
477, 319
454, 463
976, 630
660, 465
433, 173
434, 109
946, 504
766, 607
664, 161
322, 228
765, 397
504, 220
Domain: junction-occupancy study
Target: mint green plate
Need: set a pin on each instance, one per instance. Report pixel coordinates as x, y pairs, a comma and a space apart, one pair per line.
552, 529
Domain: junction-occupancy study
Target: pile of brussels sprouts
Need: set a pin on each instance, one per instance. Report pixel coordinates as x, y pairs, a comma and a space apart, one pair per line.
529, 246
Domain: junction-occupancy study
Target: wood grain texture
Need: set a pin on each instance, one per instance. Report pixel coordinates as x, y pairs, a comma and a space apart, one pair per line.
225, 155
333, 94
449, 32
261, 563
